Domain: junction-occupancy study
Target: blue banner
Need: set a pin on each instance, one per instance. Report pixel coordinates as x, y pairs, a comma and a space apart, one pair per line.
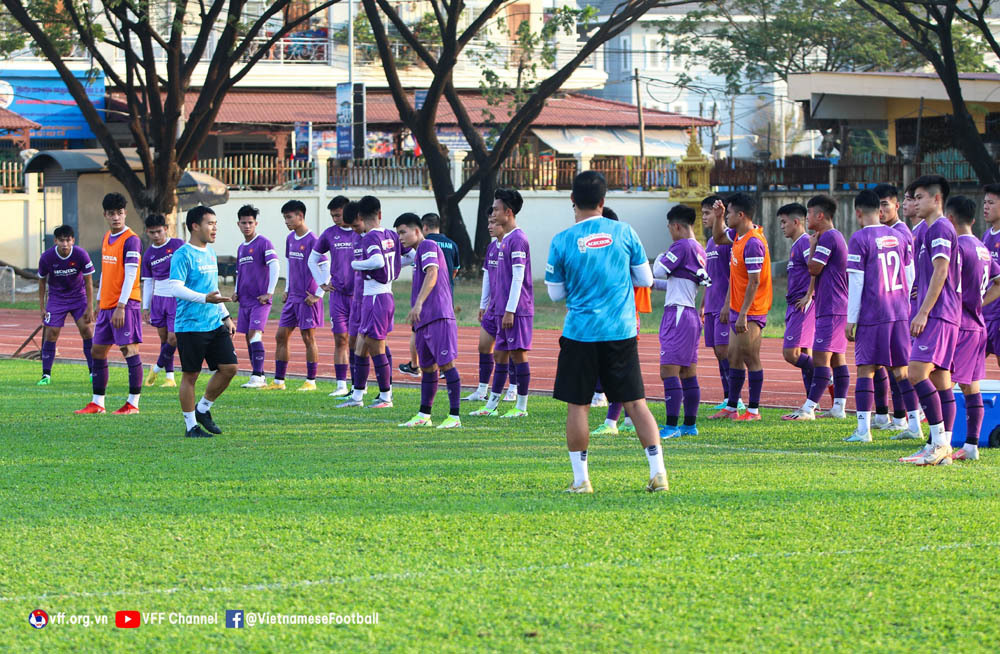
41, 96
345, 121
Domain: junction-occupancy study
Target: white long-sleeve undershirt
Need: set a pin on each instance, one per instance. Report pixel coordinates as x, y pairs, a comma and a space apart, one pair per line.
182, 292
557, 291
371, 263
484, 295
273, 270
131, 273
516, 285
855, 285
319, 266
147, 292
642, 275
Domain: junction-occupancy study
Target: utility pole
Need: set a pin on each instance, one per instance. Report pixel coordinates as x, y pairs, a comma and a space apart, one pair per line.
642, 127
350, 43
732, 125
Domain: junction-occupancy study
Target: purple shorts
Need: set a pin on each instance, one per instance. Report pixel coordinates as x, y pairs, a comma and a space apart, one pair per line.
760, 321
296, 313
716, 332
354, 319
680, 330
162, 311
830, 335
970, 356
885, 344
800, 327
490, 324
340, 312
517, 337
252, 317
129, 334
377, 314
993, 336
56, 310
437, 342
936, 344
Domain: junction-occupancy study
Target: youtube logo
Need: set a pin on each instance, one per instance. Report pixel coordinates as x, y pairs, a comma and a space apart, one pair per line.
127, 619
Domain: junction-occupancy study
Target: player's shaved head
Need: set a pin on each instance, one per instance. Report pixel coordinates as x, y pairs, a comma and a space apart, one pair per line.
866, 201
408, 219
680, 213
962, 209
794, 210
825, 204
369, 208
933, 184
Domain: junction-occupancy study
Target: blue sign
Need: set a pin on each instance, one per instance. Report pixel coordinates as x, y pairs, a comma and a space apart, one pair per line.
41, 96
345, 121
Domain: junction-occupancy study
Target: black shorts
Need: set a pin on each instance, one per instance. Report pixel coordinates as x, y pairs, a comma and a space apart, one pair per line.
214, 348
615, 363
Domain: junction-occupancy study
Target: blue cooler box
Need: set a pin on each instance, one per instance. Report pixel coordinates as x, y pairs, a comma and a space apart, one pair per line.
990, 435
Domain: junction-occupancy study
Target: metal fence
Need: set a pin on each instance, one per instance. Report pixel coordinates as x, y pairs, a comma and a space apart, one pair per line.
404, 171
11, 177
257, 172
634, 173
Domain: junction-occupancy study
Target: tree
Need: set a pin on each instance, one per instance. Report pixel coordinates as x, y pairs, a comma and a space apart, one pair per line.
155, 91
453, 40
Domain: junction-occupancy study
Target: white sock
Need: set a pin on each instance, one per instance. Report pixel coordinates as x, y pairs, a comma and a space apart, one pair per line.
627, 421
493, 402
47, 376
98, 400
809, 406
579, 463
522, 402
189, 420
157, 369
387, 395
358, 395
913, 420
970, 448
654, 454
483, 389
423, 415
341, 384
170, 376
753, 411
938, 435
204, 404
611, 423
864, 422
133, 400
839, 403
279, 382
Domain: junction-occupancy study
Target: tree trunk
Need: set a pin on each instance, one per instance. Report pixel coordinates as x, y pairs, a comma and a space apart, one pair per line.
968, 139
447, 204
487, 186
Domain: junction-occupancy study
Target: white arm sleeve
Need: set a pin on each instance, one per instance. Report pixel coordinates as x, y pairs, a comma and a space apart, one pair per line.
371, 263
484, 296
182, 292
855, 283
147, 292
409, 258
642, 276
273, 270
319, 266
516, 284
911, 275
557, 291
659, 270
131, 272
660, 284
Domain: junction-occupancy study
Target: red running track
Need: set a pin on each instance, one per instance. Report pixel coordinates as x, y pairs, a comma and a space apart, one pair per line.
782, 382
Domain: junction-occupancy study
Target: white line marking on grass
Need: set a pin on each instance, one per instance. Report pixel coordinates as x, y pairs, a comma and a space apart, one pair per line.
762, 450
455, 572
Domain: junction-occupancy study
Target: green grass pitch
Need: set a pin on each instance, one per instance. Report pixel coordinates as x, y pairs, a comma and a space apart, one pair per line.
773, 537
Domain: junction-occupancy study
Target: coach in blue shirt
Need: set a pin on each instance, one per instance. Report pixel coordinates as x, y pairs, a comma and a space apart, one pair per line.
203, 326
594, 266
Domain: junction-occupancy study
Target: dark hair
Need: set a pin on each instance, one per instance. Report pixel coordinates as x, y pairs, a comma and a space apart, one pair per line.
409, 219
431, 220
910, 189
338, 202
711, 200
589, 189
609, 213
63, 231
511, 197
931, 182
114, 201
825, 203
867, 200
962, 208
741, 202
248, 210
992, 189
155, 220
369, 207
294, 206
793, 209
681, 213
197, 214
350, 212
884, 191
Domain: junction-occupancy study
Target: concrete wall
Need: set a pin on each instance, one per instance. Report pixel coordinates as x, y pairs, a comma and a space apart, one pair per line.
22, 223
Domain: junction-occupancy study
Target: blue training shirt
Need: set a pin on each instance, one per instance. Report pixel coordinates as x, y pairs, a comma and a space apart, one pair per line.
198, 269
593, 260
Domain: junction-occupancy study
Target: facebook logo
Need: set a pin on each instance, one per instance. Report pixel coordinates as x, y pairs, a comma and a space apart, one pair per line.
234, 619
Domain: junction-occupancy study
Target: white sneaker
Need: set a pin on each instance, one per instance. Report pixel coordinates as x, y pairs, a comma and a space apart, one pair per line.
511, 395
834, 412
800, 414
255, 382
919, 454
858, 437
341, 391
937, 455
599, 400
907, 435
882, 422
899, 424
476, 396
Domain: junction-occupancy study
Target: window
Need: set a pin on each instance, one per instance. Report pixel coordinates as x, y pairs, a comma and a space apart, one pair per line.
625, 51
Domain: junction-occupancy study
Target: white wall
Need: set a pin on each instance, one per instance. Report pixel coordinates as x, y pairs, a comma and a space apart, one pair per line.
21, 220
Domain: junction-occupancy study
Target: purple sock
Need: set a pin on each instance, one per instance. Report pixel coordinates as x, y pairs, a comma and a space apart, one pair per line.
362, 365
930, 401
352, 361
340, 369
910, 400
864, 393
614, 411
724, 376
257, 358
170, 359
383, 372
821, 380
48, 356
881, 391
311, 370
947, 409
88, 346
454, 382
805, 364
428, 389
756, 379
898, 407
134, 374
736, 378
672, 397
841, 381
388, 357
280, 367
692, 397
511, 373
523, 377
973, 417
100, 381
499, 377
485, 367
166, 356
597, 387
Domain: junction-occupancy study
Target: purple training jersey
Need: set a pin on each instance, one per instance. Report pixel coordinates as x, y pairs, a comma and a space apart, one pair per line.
831, 283
339, 242
251, 267
384, 242
717, 267
65, 276
880, 253
798, 270
156, 260
941, 241
300, 280
514, 251
492, 258
683, 267
438, 304
991, 240
978, 269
